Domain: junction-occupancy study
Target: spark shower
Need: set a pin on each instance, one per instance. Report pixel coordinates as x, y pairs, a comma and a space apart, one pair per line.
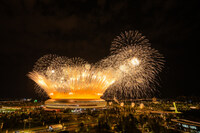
131, 68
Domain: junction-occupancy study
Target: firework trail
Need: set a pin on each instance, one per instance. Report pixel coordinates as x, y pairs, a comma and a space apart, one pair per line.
130, 70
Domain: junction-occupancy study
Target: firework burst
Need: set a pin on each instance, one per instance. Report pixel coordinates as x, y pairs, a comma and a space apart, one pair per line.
131, 69
137, 64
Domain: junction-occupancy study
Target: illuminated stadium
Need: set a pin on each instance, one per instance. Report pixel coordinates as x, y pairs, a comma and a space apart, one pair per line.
74, 103
131, 67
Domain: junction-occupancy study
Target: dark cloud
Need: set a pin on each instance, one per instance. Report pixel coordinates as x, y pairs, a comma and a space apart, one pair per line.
31, 28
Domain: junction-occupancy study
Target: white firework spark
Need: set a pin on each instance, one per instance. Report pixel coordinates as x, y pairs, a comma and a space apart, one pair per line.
130, 70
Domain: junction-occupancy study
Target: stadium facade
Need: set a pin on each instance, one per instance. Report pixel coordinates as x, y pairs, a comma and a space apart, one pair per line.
74, 103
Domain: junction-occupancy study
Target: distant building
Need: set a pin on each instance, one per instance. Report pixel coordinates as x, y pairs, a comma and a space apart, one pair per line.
186, 125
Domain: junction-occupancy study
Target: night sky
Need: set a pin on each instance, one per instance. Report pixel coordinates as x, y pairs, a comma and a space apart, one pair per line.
30, 29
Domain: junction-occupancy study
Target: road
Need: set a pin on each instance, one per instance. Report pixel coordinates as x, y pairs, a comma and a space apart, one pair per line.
69, 126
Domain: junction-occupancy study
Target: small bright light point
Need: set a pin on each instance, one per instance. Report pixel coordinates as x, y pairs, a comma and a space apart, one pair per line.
135, 61
52, 71
51, 94
87, 66
71, 93
123, 68
94, 76
83, 74
41, 82
113, 81
99, 94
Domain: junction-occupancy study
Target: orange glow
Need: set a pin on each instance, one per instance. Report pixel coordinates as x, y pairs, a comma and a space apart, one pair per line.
76, 87
81, 94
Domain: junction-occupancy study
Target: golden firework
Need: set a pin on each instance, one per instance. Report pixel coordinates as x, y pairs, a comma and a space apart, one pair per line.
131, 69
